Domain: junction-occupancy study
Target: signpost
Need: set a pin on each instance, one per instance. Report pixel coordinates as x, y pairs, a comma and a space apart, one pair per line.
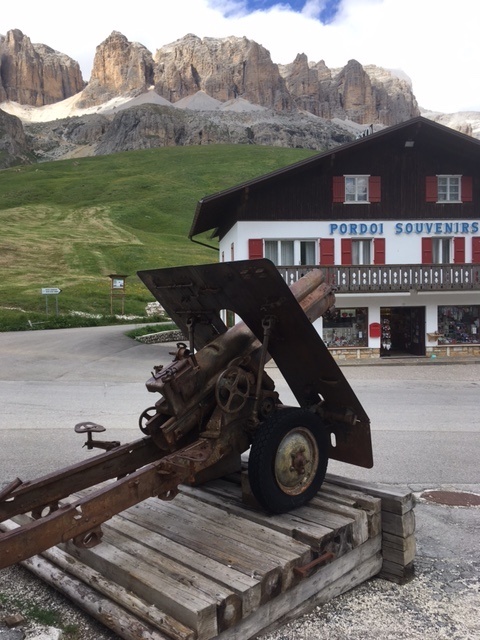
51, 291
117, 290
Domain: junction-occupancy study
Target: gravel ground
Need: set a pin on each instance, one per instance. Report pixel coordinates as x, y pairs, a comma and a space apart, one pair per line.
46, 611
441, 602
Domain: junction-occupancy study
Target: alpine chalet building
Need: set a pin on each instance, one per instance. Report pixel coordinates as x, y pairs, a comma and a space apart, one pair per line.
392, 218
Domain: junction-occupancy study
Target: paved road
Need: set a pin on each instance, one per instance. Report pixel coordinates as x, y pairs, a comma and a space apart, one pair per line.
426, 434
425, 419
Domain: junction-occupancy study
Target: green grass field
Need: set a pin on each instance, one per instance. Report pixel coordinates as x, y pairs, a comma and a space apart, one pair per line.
69, 224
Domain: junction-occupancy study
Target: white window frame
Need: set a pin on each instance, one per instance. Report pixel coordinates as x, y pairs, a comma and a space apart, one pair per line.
362, 255
442, 250
355, 191
297, 251
451, 183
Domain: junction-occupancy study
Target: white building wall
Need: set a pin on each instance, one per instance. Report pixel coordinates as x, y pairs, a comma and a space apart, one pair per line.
403, 239
403, 244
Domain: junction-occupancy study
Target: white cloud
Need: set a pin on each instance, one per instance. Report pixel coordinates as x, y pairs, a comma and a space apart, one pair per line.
435, 42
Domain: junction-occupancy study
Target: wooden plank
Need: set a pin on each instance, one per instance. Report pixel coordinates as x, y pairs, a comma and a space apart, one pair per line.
243, 529
229, 604
246, 587
399, 550
125, 625
303, 524
359, 517
396, 572
192, 537
330, 518
369, 504
355, 567
395, 499
192, 608
398, 542
310, 524
129, 601
399, 525
358, 498
87, 588
240, 533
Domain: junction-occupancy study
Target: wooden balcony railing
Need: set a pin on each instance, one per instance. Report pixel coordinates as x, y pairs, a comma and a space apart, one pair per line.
406, 277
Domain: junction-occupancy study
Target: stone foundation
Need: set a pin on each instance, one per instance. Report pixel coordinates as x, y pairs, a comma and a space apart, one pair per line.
454, 350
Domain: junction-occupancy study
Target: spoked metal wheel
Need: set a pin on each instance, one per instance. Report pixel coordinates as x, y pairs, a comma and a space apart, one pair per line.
288, 459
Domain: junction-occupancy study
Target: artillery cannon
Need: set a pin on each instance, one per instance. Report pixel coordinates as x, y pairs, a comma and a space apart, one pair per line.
216, 402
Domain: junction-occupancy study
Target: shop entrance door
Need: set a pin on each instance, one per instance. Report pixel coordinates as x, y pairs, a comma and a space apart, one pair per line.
403, 331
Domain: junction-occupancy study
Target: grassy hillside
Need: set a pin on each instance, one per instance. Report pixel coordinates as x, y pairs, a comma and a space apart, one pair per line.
69, 224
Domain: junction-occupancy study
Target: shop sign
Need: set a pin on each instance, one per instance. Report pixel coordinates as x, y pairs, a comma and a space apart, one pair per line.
436, 228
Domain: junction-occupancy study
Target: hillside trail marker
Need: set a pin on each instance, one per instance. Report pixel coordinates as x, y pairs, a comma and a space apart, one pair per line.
51, 291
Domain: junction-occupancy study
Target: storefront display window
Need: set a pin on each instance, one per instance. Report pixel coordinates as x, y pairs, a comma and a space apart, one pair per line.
459, 325
346, 328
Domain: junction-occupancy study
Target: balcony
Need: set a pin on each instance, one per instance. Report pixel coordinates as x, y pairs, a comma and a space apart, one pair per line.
406, 277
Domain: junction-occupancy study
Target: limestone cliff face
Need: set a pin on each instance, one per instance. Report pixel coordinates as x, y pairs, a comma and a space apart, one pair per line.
355, 95
304, 84
34, 74
394, 99
222, 68
225, 68
120, 67
283, 105
362, 94
13, 145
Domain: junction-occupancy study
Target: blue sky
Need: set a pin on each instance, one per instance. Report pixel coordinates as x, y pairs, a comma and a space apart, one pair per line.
326, 10
435, 43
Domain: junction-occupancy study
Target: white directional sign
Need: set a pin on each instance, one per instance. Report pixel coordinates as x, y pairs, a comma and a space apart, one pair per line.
48, 291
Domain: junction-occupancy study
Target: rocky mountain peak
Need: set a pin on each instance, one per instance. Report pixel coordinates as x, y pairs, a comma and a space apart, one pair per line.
225, 68
34, 74
120, 67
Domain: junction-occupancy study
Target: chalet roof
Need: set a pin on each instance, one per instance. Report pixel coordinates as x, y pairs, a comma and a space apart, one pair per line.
219, 209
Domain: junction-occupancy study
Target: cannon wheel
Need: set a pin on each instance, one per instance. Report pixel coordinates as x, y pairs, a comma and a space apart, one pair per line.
288, 459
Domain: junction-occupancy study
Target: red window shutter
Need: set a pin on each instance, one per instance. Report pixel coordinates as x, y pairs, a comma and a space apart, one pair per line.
467, 189
427, 251
255, 248
459, 250
431, 189
379, 251
346, 251
327, 251
374, 188
338, 189
476, 250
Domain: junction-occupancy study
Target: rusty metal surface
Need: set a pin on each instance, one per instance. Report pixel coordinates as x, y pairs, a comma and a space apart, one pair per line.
452, 498
213, 400
254, 290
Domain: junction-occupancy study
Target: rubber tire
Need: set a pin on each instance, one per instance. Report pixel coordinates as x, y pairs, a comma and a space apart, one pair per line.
261, 472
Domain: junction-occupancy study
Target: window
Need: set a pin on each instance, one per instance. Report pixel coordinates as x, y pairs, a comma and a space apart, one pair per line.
459, 325
307, 252
441, 250
290, 252
280, 252
361, 251
345, 328
448, 188
360, 189
445, 188
356, 188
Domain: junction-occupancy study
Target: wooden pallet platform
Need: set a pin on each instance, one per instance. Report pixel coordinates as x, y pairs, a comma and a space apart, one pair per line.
208, 565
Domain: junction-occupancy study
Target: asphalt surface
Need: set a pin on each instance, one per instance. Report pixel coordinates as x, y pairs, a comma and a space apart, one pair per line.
425, 430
